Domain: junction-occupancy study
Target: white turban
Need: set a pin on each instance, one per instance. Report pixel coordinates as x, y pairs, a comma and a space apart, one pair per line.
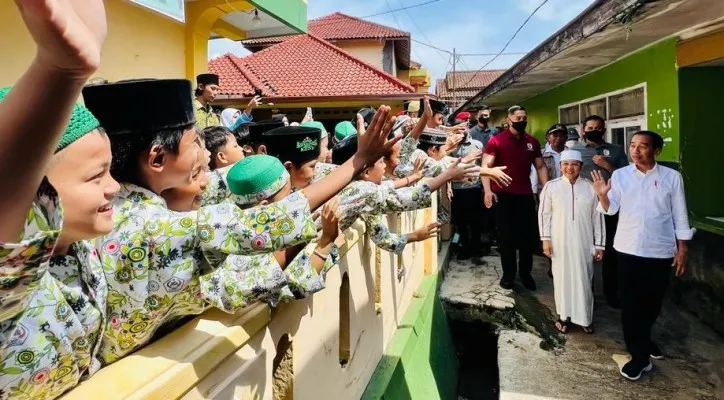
568, 155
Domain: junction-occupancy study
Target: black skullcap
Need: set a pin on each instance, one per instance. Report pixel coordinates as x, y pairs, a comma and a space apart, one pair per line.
207, 79
258, 129
297, 144
143, 105
344, 150
438, 107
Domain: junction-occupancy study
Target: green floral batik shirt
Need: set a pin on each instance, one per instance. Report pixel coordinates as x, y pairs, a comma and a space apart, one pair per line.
303, 279
409, 153
52, 308
154, 258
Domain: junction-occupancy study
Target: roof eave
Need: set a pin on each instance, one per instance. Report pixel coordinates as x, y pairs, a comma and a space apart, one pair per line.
594, 18
308, 99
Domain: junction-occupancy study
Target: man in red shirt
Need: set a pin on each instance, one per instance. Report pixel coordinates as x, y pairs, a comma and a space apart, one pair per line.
516, 214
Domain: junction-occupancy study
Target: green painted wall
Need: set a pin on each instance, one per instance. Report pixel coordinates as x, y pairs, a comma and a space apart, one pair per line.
701, 100
655, 65
291, 12
420, 362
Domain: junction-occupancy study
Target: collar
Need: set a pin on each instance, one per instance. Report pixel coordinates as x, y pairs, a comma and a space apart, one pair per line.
565, 178
140, 195
199, 106
652, 171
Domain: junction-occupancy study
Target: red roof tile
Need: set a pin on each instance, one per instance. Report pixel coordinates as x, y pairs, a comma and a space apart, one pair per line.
303, 66
340, 26
473, 79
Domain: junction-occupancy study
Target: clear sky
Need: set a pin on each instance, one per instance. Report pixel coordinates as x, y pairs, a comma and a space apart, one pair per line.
470, 26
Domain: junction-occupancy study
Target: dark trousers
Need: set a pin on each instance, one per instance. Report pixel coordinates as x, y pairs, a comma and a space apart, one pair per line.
467, 216
517, 230
643, 283
609, 268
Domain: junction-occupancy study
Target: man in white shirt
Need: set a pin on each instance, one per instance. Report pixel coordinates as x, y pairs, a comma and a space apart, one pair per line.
653, 232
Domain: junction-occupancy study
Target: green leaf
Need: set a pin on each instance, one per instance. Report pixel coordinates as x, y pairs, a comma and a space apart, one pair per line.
13, 371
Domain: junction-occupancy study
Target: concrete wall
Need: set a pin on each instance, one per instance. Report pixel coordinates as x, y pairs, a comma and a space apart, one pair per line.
654, 65
369, 51
224, 356
140, 43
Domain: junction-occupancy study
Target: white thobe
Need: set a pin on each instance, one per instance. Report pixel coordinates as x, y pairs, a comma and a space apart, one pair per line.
567, 216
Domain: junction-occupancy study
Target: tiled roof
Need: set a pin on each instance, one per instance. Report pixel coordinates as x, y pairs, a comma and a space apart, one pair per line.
303, 66
468, 83
473, 79
339, 26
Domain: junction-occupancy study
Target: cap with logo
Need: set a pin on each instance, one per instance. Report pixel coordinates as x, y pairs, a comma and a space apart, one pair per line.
298, 144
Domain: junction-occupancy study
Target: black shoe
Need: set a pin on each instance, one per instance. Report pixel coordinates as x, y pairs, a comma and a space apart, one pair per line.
633, 370
655, 352
528, 282
463, 256
506, 284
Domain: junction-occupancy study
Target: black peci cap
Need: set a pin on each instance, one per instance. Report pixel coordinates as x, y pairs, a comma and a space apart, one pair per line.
297, 144
344, 150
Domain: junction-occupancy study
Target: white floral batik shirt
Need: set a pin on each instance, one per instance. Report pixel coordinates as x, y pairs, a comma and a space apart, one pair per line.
51, 308
158, 263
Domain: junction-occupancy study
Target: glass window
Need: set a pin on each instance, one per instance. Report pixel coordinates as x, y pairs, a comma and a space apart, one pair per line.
569, 115
595, 107
627, 104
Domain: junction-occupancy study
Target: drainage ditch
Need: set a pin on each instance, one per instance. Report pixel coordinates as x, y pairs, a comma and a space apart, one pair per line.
475, 331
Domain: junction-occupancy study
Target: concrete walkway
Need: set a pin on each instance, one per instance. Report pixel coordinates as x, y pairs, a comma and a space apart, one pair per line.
536, 362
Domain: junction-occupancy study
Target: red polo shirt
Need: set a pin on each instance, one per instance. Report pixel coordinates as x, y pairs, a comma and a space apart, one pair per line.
516, 153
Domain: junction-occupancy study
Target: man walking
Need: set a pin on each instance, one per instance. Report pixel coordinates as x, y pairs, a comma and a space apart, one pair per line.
653, 234
516, 213
599, 155
467, 205
482, 132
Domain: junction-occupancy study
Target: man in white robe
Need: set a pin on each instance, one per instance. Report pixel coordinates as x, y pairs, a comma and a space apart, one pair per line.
573, 235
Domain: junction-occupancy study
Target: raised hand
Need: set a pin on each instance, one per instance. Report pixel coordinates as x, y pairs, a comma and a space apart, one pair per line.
599, 184
372, 142
459, 171
330, 221
497, 174
472, 157
69, 33
426, 232
418, 167
452, 143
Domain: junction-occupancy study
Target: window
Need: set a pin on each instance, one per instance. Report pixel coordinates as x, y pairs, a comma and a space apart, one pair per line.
570, 115
595, 107
627, 104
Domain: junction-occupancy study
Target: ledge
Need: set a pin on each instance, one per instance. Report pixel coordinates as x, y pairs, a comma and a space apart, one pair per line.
707, 224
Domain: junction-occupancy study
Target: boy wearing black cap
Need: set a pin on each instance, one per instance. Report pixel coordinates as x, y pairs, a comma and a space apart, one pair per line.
153, 252
207, 88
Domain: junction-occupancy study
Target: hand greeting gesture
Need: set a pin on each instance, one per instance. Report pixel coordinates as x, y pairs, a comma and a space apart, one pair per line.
599, 184
69, 33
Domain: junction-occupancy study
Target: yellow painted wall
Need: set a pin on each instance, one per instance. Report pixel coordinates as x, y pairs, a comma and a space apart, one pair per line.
368, 51
140, 44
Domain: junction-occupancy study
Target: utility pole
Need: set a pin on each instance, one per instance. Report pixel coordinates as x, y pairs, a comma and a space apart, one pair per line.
454, 79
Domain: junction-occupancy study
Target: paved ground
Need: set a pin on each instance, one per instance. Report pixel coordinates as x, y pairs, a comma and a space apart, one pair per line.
580, 366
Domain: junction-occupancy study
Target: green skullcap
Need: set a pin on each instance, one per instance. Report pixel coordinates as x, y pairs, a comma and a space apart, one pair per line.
256, 178
344, 129
81, 122
318, 125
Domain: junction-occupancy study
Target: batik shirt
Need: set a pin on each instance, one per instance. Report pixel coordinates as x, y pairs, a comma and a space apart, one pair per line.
53, 307
409, 153
367, 200
154, 257
303, 279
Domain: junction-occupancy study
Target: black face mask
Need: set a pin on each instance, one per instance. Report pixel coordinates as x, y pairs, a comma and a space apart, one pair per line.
484, 119
594, 136
519, 126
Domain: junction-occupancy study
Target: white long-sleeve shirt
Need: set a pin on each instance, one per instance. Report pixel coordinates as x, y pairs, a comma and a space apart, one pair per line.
652, 211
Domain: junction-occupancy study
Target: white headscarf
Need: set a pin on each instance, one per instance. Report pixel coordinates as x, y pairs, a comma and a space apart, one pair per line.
229, 116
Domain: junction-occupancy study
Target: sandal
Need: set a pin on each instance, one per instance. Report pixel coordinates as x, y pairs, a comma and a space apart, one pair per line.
562, 326
588, 329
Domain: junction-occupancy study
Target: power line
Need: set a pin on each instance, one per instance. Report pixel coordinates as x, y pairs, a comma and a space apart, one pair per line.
509, 41
429, 42
469, 54
400, 9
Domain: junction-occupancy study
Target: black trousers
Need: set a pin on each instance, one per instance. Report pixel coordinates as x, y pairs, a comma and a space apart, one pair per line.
643, 283
517, 231
609, 268
467, 216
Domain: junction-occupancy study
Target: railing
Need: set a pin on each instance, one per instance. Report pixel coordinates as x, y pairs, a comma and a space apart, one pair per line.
323, 347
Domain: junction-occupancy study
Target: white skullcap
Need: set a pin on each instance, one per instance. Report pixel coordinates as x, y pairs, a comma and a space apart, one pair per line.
575, 155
